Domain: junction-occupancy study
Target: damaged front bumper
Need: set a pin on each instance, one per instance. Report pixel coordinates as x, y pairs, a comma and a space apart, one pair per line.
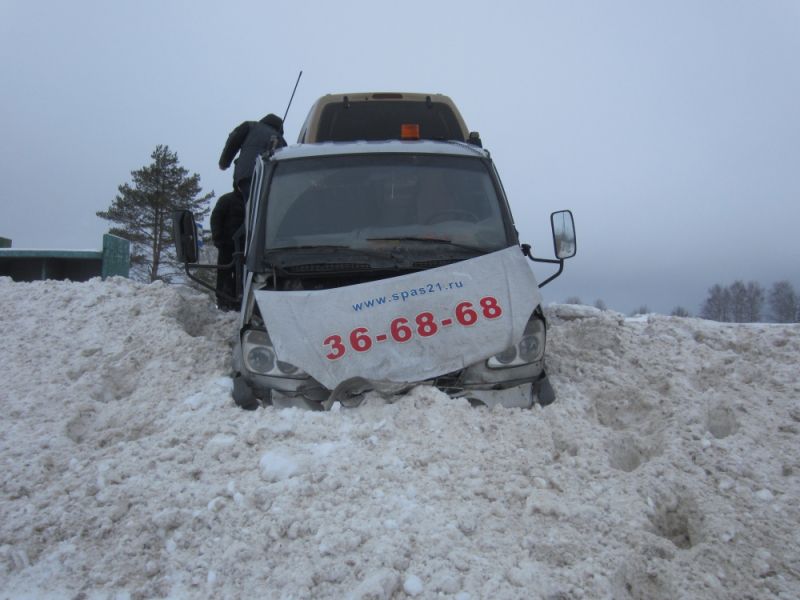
483, 340
514, 387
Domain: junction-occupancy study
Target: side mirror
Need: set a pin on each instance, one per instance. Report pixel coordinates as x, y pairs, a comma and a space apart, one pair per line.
186, 240
564, 241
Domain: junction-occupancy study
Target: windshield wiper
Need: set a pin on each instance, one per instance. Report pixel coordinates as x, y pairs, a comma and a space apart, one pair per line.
429, 240
329, 248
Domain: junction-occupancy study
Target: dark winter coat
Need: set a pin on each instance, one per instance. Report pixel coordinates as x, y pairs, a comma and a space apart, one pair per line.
226, 218
250, 139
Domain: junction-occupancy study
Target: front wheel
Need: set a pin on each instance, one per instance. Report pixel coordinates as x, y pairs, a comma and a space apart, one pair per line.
243, 394
544, 392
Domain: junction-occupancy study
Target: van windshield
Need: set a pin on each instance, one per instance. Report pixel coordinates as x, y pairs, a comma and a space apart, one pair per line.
358, 201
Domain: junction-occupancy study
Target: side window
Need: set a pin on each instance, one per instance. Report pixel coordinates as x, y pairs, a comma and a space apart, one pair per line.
253, 201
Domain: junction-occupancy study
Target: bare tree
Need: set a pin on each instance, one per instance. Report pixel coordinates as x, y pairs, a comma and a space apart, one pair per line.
573, 300
738, 301
783, 303
746, 301
717, 307
754, 296
599, 304
680, 311
642, 310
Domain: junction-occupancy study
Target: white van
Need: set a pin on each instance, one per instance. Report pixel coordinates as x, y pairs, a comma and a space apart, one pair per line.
385, 260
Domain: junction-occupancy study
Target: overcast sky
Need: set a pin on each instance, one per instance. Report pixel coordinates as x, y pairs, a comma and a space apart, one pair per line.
671, 129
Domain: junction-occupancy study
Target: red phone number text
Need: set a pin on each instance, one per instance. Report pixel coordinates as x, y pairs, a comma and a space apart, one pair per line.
400, 329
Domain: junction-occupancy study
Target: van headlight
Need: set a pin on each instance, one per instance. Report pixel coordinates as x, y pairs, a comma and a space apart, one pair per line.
260, 356
261, 359
529, 349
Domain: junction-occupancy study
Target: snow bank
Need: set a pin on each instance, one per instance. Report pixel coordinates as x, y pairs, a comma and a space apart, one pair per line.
667, 468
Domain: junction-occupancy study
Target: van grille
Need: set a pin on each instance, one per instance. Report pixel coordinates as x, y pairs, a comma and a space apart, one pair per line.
327, 267
430, 264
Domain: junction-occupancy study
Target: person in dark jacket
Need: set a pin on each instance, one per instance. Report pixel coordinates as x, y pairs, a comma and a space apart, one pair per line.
250, 139
227, 219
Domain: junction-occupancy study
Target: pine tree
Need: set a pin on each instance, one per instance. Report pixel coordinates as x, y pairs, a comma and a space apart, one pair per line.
143, 213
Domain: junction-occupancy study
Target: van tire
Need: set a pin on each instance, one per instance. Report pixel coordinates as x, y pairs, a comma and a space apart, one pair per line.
545, 394
242, 394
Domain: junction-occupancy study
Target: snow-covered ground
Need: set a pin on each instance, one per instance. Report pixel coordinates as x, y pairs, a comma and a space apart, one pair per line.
669, 466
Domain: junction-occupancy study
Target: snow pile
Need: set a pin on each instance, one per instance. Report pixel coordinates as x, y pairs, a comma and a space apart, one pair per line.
668, 466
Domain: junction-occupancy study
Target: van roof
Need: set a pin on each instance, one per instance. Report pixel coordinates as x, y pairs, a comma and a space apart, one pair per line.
452, 148
379, 115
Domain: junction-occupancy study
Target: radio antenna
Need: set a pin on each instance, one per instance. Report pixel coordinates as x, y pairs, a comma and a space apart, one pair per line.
292, 97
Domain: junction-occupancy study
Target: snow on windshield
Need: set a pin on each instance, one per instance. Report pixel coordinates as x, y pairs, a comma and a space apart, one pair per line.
667, 467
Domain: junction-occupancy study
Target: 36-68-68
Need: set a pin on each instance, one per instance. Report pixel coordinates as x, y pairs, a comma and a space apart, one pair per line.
402, 329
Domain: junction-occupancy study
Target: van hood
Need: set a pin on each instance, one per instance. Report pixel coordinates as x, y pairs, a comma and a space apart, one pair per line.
407, 328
